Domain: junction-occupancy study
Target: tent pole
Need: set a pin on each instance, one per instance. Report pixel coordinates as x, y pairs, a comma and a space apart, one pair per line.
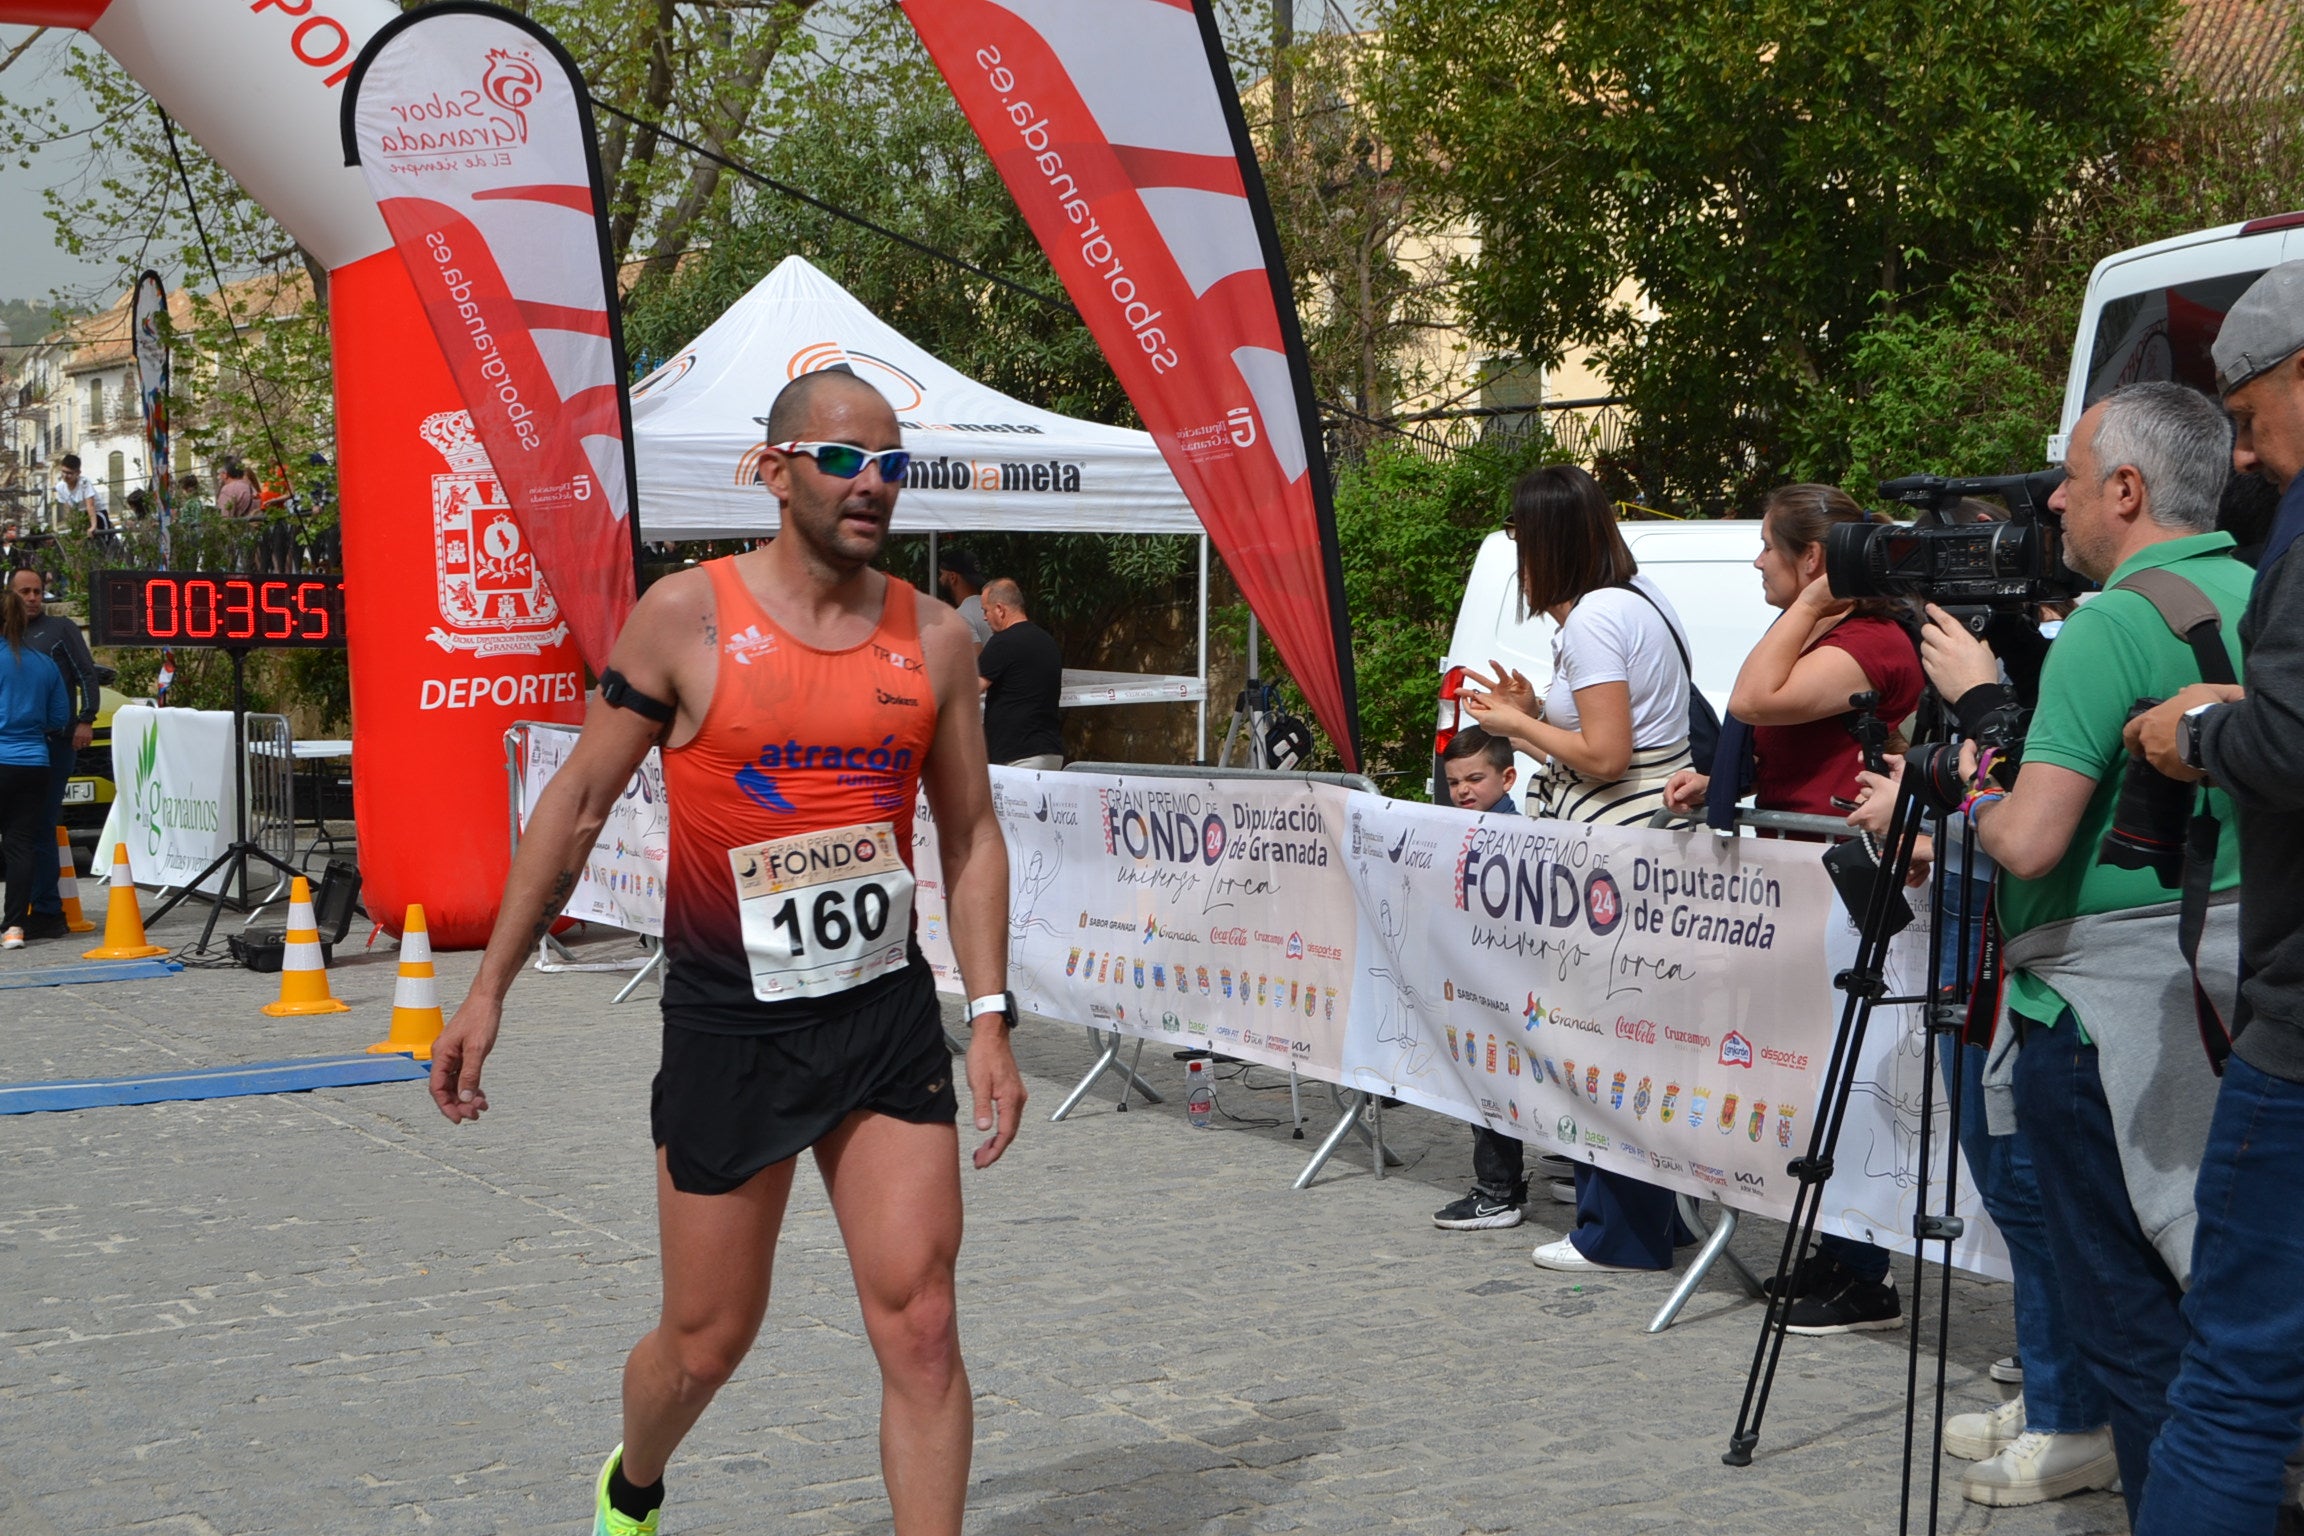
932, 583
1200, 752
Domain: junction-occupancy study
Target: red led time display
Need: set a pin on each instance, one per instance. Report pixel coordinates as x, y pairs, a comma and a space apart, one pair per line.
148, 608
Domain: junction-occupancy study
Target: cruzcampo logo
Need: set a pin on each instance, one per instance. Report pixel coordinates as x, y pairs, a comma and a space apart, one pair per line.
146, 802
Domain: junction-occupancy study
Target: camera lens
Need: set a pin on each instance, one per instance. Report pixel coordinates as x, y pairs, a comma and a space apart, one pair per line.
2150, 818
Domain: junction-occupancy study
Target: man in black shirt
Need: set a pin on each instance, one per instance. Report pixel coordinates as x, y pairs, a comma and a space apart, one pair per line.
1022, 671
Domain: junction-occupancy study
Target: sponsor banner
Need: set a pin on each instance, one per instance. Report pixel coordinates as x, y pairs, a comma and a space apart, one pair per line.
1198, 912
1115, 126
1650, 1003
472, 128
623, 881
173, 772
1658, 1004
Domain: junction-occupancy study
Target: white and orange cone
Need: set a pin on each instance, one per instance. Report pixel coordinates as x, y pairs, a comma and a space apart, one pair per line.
68, 886
123, 918
416, 1020
303, 969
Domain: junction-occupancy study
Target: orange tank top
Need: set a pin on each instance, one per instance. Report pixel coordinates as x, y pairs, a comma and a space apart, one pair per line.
770, 919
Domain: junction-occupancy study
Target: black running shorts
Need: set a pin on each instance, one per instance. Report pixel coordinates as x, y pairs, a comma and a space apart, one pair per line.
726, 1106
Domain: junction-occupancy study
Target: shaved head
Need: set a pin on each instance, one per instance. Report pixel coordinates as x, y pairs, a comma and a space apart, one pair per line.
795, 408
1005, 592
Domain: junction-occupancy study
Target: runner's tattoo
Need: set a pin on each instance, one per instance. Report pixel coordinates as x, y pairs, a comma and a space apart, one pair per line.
553, 902
711, 632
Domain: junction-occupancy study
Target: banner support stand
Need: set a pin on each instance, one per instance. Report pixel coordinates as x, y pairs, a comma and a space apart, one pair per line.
655, 948
1715, 1247
1363, 1112
1110, 1062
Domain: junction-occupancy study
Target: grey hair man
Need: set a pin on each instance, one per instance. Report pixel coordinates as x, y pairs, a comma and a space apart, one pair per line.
2234, 1406
2098, 1052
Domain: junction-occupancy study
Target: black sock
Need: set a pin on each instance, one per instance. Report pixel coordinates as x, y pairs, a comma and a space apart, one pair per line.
630, 1502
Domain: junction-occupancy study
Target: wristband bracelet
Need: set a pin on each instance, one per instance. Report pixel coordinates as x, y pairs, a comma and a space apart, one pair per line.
1977, 800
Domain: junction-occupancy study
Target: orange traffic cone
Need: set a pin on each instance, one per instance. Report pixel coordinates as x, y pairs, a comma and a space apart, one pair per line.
123, 919
303, 969
416, 1020
68, 886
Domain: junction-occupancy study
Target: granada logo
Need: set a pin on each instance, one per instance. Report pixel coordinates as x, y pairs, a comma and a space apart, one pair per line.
495, 116
1735, 1050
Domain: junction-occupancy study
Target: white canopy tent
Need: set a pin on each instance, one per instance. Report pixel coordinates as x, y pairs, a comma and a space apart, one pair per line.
982, 462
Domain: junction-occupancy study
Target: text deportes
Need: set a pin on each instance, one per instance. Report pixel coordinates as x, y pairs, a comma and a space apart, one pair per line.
504, 692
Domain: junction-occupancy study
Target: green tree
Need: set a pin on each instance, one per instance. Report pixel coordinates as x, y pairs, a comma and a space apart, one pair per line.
1719, 199
1976, 385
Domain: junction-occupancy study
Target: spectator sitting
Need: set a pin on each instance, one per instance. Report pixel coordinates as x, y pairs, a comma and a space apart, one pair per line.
1479, 771
81, 496
963, 586
236, 491
1021, 671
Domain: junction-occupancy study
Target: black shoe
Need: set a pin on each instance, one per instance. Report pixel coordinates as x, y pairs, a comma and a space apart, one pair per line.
1476, 1212
1855, 1305
46, 925
1807, 1277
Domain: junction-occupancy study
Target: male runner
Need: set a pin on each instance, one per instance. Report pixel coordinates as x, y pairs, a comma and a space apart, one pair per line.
800, 698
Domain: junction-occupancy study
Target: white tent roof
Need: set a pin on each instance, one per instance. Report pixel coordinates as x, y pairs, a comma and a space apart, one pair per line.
981, 461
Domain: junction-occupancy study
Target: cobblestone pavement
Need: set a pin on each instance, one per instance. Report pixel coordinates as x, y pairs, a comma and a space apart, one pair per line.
333, 1312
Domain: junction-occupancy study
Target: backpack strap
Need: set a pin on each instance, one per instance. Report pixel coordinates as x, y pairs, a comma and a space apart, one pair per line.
2192, 618
2189, 615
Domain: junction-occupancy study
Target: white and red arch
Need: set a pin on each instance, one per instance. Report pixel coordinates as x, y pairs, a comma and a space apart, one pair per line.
444, 657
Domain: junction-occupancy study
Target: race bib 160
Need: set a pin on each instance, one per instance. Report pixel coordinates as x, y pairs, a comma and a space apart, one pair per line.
823, 911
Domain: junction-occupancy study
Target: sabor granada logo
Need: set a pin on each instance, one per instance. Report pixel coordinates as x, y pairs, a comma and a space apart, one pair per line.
495, 116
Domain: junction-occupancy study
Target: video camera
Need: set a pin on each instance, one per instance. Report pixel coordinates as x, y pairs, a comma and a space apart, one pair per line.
1971, 570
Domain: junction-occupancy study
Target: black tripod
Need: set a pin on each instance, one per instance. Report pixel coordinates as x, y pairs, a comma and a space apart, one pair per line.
234, 859
1864, 986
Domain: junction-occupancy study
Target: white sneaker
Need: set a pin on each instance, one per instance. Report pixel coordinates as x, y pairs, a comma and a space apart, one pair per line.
2038, 1467
1565, 1255
2008, 1370
12, 939
1977, 1436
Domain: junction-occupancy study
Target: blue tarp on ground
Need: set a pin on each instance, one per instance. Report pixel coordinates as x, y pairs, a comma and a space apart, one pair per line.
225, 1082
87, 970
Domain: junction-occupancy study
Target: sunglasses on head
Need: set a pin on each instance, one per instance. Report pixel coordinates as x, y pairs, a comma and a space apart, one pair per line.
845, 461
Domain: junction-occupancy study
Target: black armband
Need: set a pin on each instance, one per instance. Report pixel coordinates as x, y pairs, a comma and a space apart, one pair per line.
617, 690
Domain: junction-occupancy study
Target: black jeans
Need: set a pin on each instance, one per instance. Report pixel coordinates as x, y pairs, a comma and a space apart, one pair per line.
23, 809
1499, 1169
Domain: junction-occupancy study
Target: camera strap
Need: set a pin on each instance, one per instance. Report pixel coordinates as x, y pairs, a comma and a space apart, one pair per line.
2192, 618
1991, 979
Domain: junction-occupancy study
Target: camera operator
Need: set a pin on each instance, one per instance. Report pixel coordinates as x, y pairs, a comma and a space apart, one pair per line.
2100, 1030
2234, 1407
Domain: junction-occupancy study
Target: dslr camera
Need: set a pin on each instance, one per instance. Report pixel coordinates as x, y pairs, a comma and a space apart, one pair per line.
1971, 570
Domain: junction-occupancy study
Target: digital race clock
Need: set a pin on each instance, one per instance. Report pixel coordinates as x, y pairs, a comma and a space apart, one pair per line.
149, 608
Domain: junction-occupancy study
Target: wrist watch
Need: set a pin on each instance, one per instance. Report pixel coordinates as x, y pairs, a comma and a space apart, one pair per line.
2188, 737
1002, 1004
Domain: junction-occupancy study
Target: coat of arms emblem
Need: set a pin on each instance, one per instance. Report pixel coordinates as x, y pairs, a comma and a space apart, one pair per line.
493, 599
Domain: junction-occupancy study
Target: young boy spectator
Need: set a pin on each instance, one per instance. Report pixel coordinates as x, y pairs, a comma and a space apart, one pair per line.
1479, 771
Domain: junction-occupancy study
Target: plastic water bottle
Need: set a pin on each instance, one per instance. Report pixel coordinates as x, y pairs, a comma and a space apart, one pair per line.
1199, 1098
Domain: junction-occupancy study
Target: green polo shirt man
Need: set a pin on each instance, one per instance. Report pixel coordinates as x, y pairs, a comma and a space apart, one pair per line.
2114, 650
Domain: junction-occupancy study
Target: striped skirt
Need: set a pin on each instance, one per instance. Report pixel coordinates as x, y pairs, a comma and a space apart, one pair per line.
1563, 794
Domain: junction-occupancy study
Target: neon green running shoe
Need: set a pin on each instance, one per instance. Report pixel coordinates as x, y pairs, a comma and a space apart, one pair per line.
606, 1519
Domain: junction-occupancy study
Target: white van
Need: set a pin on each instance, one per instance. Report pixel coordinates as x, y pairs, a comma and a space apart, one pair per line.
1704, 568
2152, 312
